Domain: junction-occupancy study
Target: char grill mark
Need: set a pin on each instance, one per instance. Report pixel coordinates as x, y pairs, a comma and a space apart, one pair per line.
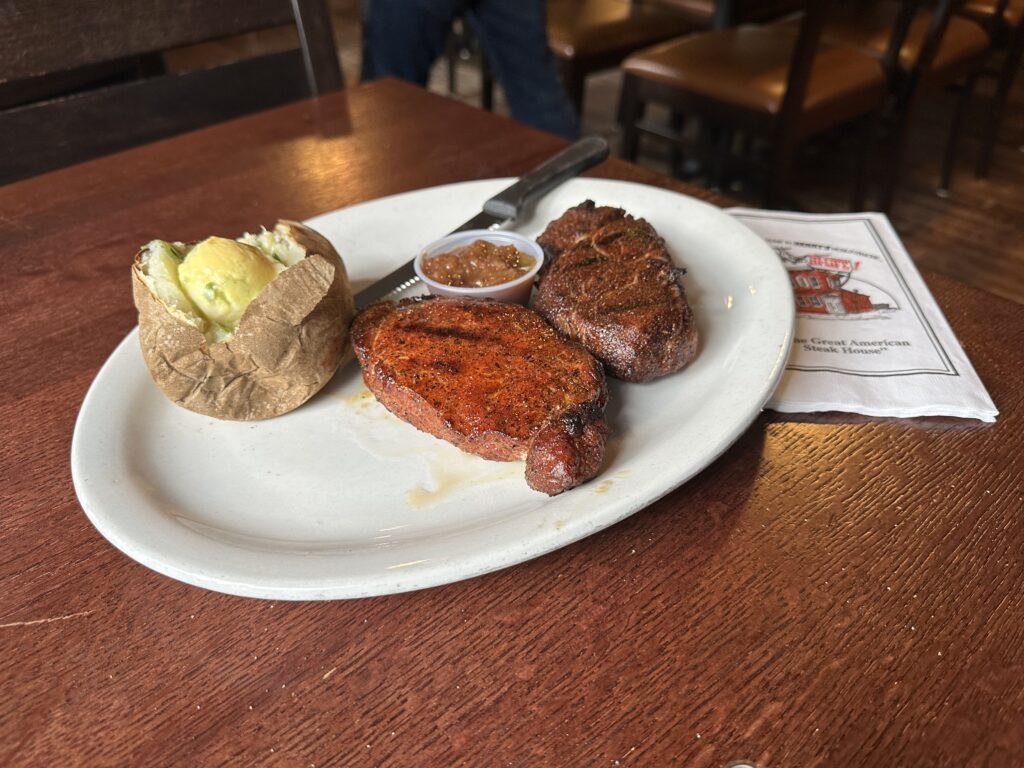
493, 379
610, 284
565, 231
455, 333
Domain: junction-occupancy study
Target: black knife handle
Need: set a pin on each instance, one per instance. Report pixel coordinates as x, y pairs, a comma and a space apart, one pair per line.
566, 164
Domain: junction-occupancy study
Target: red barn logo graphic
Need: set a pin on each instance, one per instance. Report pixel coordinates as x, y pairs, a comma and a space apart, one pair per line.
821, 285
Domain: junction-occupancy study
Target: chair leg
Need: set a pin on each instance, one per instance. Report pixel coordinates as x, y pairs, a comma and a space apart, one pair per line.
705, 148
746, 145
777, 190
869, 133
677, 122
574, 80
723, 147
486, 84
631, 109
451, 55
998, 108
955, 128
897, 142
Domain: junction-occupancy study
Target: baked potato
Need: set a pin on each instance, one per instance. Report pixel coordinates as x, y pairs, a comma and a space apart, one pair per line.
243, 329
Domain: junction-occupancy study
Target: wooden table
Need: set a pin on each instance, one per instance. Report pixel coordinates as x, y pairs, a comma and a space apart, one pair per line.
833, 590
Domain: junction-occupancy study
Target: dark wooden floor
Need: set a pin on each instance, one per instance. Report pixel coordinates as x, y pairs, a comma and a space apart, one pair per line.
977, 233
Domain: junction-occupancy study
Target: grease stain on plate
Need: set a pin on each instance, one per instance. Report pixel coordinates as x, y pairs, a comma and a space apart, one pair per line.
363, 403
374, 428
358, 397
447, 470
452, 471
603, 486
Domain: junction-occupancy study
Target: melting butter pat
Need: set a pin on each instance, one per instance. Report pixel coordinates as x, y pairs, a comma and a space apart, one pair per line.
222, 276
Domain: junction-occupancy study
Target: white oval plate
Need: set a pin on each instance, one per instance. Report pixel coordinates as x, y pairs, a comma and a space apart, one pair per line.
339, 499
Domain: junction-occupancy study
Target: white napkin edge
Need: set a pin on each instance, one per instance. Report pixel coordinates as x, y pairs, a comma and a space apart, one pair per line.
793, 406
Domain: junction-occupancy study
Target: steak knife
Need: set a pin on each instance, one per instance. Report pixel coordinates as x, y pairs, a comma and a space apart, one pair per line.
503, 207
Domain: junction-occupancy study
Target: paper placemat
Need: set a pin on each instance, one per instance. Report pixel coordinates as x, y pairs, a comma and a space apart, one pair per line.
869, 336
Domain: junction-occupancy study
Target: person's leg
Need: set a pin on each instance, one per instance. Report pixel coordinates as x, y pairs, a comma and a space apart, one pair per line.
403, 38
513, 34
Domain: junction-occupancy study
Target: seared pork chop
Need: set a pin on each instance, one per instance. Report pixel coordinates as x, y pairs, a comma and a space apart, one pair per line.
493, 379
611, 285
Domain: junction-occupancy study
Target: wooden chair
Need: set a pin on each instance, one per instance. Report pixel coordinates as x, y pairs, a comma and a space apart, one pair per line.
776, 82
588, 36
462, 45
1004, 22
938, 49
47, 45
592, 35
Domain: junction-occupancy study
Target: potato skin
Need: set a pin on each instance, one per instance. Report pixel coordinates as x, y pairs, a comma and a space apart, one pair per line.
290, 340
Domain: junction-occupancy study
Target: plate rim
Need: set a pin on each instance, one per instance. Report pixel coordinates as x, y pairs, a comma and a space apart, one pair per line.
440, 572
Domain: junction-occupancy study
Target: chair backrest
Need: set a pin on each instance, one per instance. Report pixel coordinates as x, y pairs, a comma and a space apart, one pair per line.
729, 13
700, 12
998, 21
999, 14
45, 39
812, 23
905, 78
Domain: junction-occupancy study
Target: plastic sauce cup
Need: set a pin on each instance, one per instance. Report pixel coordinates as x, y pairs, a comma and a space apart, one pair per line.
513, 291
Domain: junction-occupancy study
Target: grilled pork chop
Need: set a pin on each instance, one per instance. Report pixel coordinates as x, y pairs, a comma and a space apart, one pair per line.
611, 285
493, 379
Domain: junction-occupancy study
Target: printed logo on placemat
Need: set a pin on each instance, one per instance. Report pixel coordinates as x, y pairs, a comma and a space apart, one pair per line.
826, 285
856, 313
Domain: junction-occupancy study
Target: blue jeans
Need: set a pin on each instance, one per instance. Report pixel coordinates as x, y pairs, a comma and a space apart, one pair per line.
403, 38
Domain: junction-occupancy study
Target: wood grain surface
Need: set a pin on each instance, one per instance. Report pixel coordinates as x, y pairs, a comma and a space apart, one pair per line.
91, 31
833, 591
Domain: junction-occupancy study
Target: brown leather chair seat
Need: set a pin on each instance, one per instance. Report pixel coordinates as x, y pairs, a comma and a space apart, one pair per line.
868, 28
582, 28
748, 67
